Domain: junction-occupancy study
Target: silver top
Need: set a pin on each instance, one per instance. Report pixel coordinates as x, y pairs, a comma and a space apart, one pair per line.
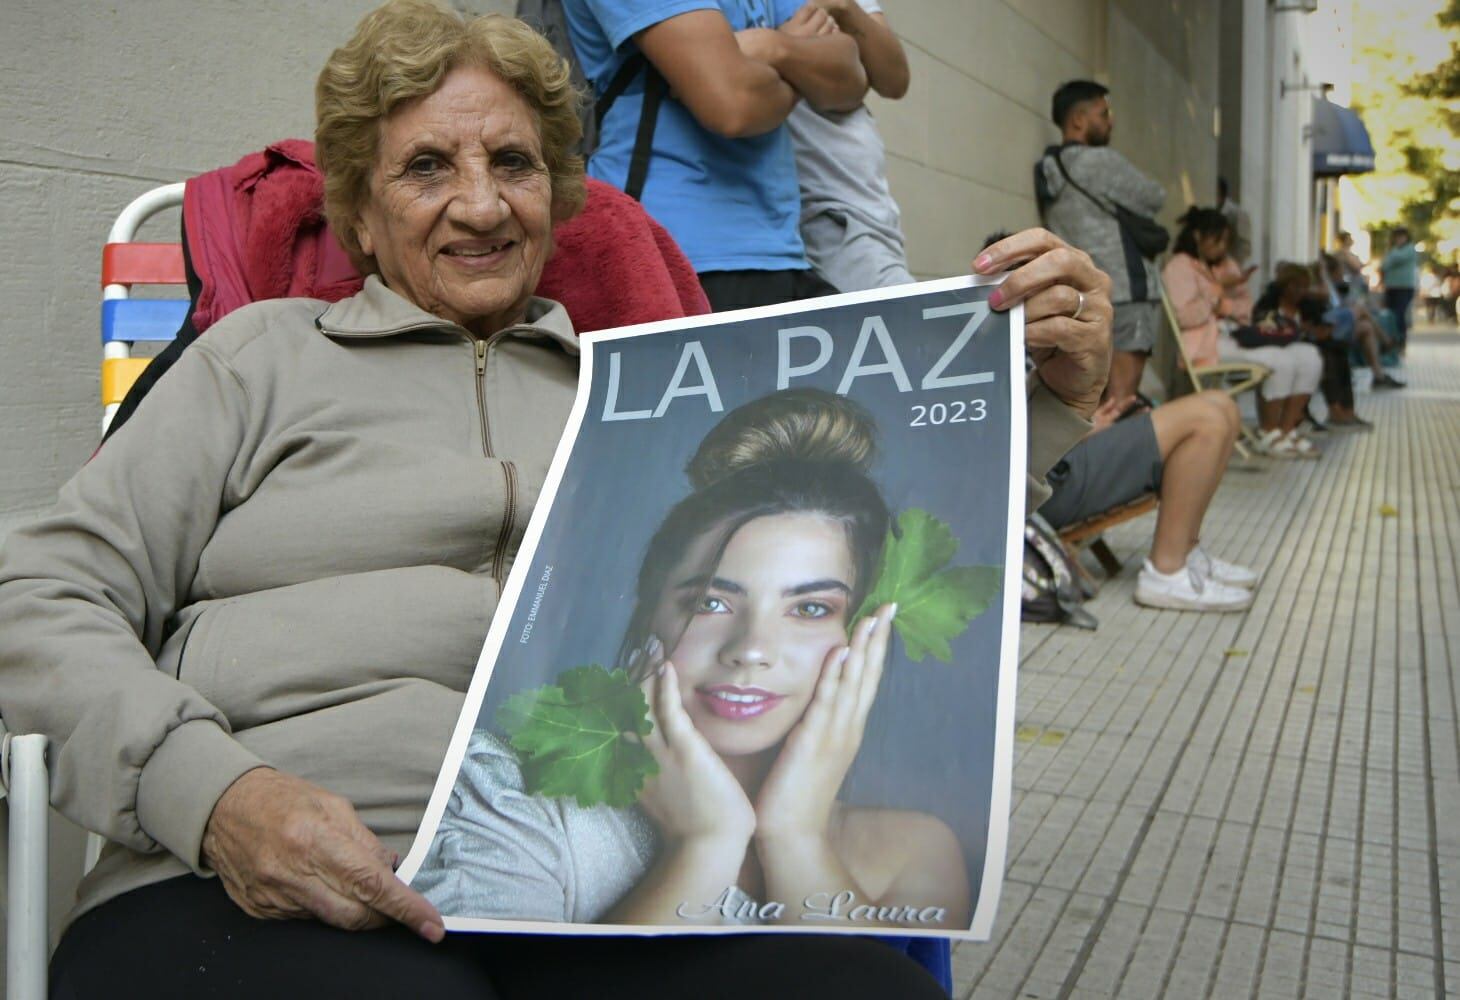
502, 853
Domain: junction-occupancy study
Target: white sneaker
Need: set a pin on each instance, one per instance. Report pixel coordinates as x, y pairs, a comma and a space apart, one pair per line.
1210, 567
1275, 444
1187, 590
1302, 447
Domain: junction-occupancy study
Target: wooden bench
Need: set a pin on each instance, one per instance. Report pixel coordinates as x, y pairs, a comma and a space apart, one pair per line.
1089, 532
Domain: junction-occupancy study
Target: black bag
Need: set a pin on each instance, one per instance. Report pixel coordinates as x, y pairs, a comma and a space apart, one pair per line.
1053, 590
1148, 235
1265, 333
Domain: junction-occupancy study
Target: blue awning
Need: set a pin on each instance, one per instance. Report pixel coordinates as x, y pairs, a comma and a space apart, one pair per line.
1340, 142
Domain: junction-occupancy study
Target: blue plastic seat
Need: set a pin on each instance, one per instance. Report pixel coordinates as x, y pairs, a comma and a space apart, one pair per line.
135, 320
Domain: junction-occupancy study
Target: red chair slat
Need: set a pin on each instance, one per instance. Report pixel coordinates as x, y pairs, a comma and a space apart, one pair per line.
142, 264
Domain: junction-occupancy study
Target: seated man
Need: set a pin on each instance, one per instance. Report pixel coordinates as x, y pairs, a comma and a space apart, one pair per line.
1179, 451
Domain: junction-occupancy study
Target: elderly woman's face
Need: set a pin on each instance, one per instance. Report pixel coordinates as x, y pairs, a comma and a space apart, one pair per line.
459, 218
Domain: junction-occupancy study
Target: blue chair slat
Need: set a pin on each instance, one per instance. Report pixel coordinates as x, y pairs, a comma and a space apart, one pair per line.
134, 320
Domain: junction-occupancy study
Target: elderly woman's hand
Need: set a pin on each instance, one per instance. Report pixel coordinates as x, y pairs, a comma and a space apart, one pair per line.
286, 848
1067, 311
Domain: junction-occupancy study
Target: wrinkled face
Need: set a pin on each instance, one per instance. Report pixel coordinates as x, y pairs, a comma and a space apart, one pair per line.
1099, 120
759, 631
459, 218
1212, 246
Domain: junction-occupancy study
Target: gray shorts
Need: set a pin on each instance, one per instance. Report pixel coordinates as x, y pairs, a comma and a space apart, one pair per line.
1105, 470
1134, 328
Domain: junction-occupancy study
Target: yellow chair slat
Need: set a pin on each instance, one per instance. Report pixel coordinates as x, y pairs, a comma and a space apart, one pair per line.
117, 376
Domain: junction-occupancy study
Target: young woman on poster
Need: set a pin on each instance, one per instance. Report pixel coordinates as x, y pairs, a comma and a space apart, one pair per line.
759, 696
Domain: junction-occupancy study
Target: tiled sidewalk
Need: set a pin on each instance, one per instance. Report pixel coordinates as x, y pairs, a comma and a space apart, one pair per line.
1265, 803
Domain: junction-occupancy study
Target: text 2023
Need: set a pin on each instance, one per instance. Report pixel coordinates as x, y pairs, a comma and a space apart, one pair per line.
960, 411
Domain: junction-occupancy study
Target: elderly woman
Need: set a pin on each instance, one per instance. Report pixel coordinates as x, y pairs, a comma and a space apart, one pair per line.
249, 648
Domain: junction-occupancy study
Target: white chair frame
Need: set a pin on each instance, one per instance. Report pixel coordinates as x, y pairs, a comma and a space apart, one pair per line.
27, 948
124, 230
23, 775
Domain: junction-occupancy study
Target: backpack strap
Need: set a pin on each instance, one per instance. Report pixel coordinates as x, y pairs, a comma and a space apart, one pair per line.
655, 87
622, 77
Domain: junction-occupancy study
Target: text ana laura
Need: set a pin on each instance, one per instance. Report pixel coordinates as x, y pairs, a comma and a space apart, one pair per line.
821, 906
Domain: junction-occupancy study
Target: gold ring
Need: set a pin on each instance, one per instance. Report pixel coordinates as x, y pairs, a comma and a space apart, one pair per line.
1079, 306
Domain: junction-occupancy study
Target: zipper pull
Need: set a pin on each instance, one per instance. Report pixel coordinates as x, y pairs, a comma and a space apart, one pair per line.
481, 349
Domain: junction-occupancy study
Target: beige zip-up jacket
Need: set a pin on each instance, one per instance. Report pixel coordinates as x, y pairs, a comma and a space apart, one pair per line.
290, 556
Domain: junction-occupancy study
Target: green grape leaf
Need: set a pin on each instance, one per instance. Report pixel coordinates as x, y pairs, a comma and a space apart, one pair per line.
935, 602
575, 738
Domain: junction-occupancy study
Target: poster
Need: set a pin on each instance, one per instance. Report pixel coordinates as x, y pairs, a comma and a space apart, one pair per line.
754, 664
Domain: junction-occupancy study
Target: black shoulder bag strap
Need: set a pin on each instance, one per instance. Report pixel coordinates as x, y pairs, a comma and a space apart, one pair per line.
1060, 160
655, 87
1135, 262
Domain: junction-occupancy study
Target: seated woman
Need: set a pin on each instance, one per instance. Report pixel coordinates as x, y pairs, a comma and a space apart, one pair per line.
1210, 312
759, 700
249, 647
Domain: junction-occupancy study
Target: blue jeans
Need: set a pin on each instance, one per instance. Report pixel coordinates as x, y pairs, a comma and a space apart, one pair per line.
1397, 301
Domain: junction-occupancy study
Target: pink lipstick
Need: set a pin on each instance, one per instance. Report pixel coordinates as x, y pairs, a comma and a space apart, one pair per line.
729, 701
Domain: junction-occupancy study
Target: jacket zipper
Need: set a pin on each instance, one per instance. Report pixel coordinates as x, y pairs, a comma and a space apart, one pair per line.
509, 472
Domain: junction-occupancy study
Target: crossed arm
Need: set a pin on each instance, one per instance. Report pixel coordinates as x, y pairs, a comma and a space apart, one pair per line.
881, 53
746, 83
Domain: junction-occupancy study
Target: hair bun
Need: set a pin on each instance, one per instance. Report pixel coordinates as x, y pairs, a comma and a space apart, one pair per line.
807, 425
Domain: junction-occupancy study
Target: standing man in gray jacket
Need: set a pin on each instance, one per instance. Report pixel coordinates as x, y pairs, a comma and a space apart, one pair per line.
1077, 184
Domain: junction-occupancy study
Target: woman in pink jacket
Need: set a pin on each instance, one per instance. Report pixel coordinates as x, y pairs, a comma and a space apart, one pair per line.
1209, 295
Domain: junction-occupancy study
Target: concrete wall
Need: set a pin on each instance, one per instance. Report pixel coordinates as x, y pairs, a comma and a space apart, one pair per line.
963, 142
1163, 74
100, 103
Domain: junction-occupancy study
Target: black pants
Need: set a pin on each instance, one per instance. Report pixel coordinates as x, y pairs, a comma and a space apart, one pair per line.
729, 290
1337, 385
186, 938
1398, 301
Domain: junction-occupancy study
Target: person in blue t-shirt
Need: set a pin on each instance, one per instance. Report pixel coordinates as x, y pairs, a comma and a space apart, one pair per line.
722, 175
1400, 271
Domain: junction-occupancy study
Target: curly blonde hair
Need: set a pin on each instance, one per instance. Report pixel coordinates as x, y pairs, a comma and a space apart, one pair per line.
403, 50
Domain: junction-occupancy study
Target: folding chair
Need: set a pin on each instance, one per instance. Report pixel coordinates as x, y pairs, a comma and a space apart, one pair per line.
126, 321
1090, 533
1234, 377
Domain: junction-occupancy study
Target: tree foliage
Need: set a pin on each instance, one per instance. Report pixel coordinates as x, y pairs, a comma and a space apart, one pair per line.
1419, 121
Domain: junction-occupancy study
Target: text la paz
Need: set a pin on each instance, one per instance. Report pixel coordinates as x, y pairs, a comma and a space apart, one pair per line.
684, 385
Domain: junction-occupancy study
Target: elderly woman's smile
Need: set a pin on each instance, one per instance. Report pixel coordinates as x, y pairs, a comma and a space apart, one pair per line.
459, 213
